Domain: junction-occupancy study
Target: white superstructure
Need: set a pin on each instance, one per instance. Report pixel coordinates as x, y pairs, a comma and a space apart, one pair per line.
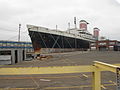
73, 33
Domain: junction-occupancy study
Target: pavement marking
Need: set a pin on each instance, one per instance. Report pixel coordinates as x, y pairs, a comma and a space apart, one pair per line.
112, 82
109, 84
46, 80
103, 87
82, 86
67, 87
35, 82
85, 75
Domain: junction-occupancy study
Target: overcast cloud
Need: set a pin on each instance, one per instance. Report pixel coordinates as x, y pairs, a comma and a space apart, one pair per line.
104, 14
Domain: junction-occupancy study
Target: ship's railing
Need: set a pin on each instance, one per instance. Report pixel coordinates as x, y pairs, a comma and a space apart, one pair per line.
96, 69
42, 29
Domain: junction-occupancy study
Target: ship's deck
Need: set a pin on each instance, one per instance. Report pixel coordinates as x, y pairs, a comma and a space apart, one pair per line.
61, 33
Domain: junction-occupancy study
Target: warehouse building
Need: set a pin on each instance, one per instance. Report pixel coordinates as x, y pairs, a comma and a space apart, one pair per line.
12, 52
106, 45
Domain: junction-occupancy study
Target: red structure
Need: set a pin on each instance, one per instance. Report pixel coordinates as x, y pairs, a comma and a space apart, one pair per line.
96, 33
106, 45
83, 25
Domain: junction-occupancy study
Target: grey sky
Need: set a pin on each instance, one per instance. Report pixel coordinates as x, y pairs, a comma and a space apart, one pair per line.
104, 14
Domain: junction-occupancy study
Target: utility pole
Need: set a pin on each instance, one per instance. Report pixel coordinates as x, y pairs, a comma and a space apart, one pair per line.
19, 33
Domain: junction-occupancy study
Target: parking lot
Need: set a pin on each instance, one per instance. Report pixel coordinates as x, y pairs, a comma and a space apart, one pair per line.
76, 81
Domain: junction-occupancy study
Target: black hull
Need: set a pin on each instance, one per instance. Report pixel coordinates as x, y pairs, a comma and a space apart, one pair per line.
46, 40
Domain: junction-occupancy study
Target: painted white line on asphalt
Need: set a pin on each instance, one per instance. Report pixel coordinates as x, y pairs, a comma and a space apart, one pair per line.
46, 80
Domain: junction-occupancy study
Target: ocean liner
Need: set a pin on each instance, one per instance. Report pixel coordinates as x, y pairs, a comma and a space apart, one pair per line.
48, 40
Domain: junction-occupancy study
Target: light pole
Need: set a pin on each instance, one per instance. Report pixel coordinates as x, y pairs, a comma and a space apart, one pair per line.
19, 33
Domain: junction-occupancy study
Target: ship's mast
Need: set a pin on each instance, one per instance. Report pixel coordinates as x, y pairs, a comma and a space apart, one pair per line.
56, 27
69, 26
75, 22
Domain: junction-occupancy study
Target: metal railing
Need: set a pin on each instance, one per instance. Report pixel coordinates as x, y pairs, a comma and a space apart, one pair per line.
96, 69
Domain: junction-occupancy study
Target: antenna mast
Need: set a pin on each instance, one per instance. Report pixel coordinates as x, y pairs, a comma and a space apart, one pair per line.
56, 27
69, 27
75, 22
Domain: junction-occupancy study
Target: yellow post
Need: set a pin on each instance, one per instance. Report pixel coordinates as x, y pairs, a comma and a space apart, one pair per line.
96, 80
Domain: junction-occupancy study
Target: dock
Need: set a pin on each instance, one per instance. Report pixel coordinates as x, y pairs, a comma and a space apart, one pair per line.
72, 81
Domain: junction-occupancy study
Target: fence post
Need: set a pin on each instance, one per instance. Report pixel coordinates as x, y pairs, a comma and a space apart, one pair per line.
96, 80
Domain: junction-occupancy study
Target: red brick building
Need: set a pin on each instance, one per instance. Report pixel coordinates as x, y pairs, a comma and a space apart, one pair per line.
106, 45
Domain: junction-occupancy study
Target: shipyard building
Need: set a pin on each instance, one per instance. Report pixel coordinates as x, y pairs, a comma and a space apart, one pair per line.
103, 44
106, 45
12, 52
